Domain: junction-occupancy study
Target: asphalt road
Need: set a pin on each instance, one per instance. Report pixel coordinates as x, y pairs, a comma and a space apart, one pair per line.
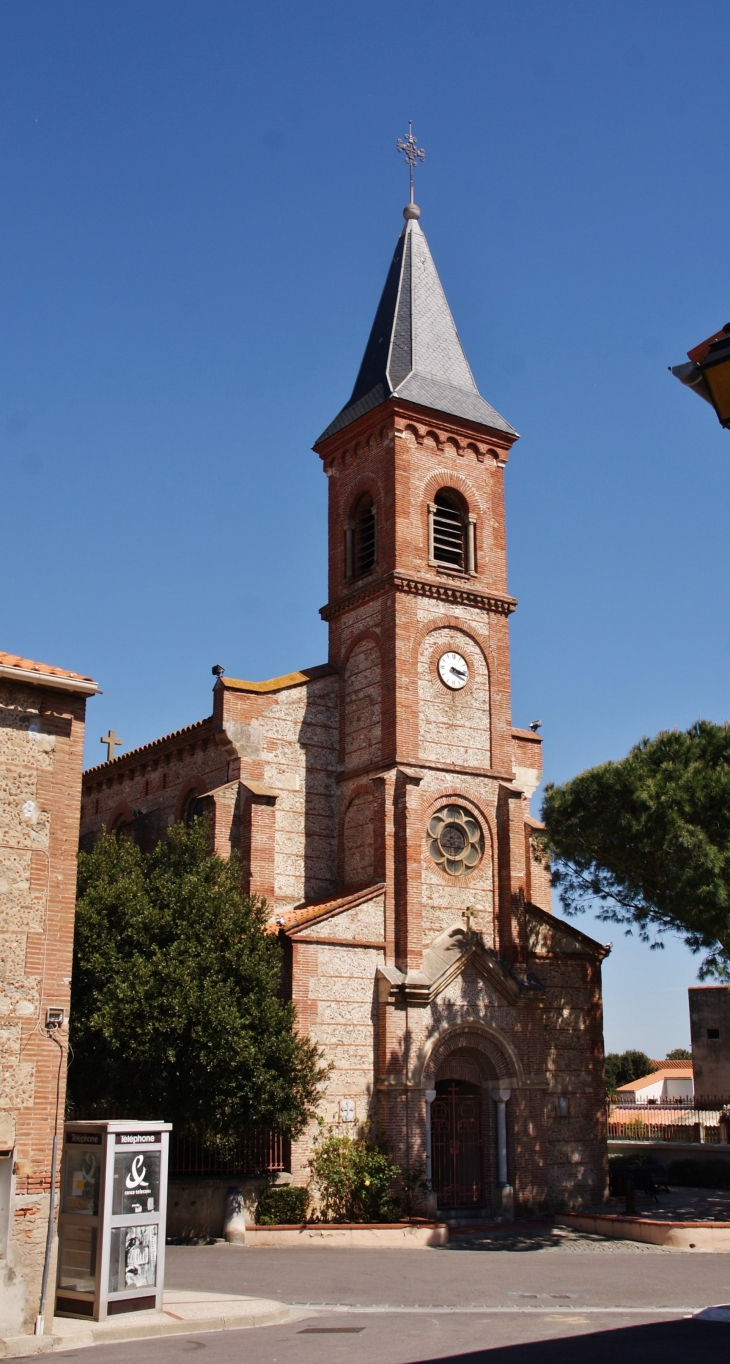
590, 1274
563, 1338
527, 1302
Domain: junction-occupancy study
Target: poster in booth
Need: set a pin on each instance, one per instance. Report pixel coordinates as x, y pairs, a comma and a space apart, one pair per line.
136, 1182
133, 1258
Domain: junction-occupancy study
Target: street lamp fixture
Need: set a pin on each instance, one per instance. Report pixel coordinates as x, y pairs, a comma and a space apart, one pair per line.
708, 373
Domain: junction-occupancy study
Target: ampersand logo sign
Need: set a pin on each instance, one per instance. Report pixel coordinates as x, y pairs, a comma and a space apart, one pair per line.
137, 1175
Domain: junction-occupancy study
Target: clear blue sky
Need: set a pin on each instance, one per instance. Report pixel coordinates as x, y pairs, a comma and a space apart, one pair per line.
198, 203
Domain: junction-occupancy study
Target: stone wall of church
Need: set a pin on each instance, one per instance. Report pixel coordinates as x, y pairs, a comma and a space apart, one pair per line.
154, 785
334, 989
41, 749
296, 731
282, 737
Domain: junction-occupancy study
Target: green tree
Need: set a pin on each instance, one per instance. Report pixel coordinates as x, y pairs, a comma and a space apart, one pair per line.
679, 1054
177, 1010
625, 1066
649, 838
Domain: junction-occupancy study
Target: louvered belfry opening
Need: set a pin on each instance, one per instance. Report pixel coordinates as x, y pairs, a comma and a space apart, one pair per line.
449, 527
364, 555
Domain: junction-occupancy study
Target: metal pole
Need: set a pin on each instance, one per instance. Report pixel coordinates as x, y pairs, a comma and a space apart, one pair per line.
39, 1321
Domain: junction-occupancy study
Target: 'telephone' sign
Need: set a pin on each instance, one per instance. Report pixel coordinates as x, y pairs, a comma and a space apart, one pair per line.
138, 1138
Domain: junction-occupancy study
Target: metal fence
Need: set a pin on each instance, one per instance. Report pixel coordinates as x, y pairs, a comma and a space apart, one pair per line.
670, 1122
252, 1153
256, 1152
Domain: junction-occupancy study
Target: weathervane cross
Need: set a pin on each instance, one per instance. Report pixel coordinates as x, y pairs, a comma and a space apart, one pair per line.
413, 153
111, 742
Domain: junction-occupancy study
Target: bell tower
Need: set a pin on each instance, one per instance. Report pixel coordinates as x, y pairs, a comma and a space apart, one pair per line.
418, 618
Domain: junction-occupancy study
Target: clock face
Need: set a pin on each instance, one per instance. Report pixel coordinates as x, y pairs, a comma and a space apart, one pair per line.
453, 670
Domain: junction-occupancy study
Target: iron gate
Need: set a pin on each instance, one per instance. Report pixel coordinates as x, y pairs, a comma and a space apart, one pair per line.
457, 1158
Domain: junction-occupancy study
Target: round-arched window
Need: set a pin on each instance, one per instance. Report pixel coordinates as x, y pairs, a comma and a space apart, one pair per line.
194, 808
363, 537
456, 842
449, 529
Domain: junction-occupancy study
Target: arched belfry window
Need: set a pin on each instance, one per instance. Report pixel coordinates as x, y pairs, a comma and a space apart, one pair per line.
451, 532
194, 808
361, 541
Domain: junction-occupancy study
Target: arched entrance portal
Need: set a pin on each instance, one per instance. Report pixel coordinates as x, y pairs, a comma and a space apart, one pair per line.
457, 1145
465, 1068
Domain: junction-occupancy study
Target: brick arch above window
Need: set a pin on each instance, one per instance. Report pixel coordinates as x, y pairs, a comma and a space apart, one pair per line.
450, 477
121, 814
192, 790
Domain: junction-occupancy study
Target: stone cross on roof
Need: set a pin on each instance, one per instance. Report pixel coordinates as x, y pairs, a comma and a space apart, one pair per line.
111, 742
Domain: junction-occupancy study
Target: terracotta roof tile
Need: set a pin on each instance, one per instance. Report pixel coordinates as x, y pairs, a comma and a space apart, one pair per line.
28, 672
29, 665
672, 1073
322, 909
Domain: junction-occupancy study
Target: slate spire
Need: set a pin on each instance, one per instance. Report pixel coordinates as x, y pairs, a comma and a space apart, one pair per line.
414, 351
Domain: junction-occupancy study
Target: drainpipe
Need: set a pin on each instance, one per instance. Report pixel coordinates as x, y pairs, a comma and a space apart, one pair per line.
430, 1095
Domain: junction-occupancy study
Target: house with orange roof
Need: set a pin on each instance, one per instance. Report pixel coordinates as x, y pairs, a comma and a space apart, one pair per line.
671, 1080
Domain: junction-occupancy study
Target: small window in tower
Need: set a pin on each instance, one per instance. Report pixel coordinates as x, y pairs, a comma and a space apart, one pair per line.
713, 1034
449, 530
364, 537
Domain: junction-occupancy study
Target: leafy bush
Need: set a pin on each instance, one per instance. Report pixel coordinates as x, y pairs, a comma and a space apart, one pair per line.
356, 1181
700, 1174
282, 1204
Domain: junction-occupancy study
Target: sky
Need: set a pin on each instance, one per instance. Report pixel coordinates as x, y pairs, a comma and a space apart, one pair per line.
199, 200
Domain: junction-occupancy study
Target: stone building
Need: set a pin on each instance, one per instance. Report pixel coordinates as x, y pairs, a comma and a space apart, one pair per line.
709, 1021
380, 801
41, 758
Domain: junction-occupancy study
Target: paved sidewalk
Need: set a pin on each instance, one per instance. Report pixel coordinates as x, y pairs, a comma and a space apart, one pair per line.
679, 1205
183, 1311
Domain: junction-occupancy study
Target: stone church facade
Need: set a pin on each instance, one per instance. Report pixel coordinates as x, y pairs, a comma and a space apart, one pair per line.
380, 802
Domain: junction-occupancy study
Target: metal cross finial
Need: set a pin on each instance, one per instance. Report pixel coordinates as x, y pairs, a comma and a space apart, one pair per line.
111, 742
413, 153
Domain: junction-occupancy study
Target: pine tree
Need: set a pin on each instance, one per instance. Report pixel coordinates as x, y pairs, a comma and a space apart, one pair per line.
649, 838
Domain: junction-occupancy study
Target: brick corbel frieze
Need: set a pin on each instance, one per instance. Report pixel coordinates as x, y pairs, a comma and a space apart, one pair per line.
452, 593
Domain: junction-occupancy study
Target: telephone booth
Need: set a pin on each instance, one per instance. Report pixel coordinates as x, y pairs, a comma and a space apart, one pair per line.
111, 1225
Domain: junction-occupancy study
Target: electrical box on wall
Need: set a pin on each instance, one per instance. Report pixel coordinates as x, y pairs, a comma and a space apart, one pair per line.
111, 1225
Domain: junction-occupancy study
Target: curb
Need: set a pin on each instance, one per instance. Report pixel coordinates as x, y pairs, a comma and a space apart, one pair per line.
75, 1335
702, 1236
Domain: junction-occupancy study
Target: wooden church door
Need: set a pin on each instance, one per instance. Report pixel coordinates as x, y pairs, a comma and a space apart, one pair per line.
457, 1155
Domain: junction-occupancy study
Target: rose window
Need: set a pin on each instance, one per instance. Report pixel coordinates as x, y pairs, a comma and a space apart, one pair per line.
455, 840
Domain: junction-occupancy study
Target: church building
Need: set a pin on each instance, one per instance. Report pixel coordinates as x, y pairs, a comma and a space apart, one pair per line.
380, 801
